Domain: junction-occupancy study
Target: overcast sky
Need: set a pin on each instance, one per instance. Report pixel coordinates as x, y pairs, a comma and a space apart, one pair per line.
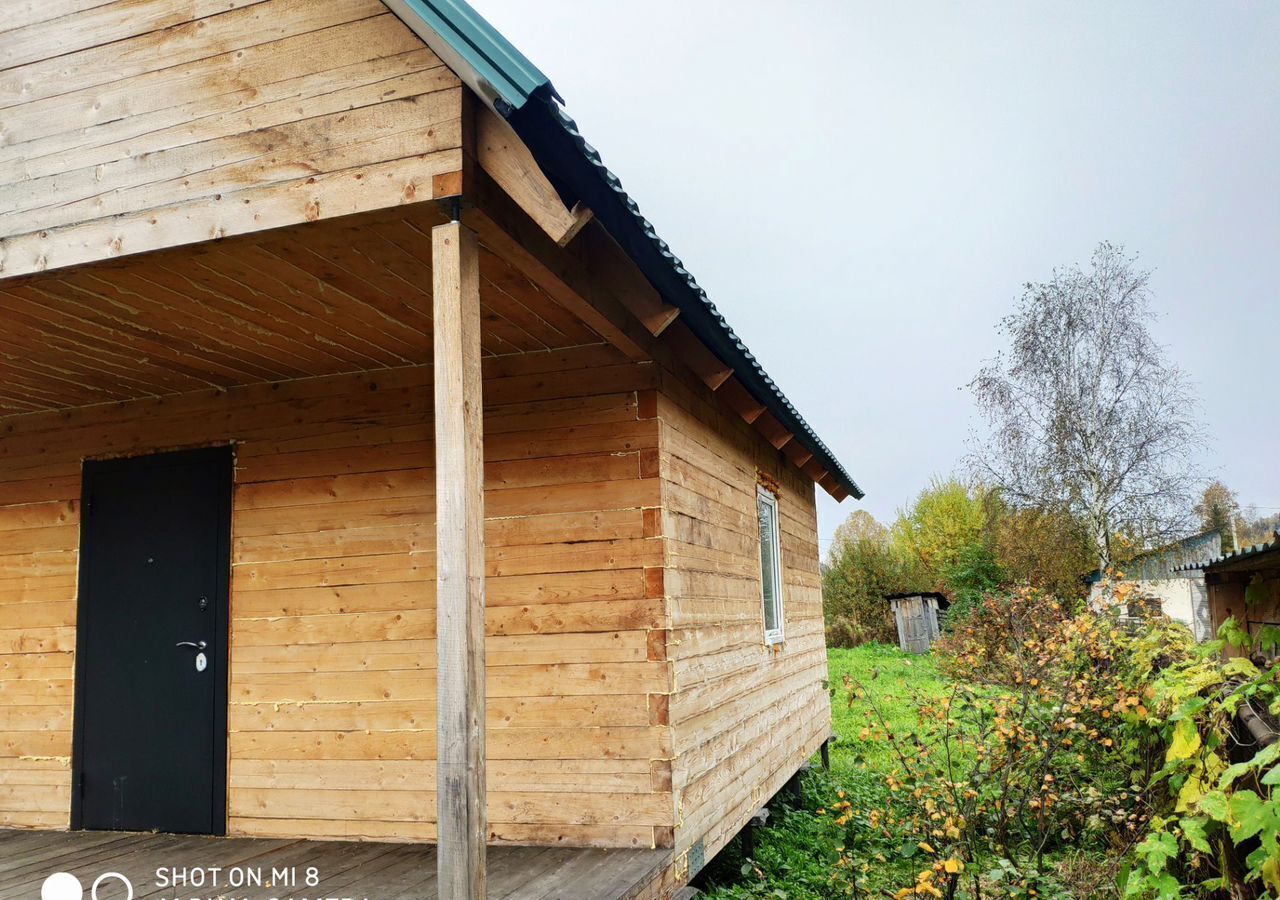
863, 188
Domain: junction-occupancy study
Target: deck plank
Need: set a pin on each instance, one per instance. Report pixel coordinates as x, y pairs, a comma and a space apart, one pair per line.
211, 851
14, 882
385, 871
20, 848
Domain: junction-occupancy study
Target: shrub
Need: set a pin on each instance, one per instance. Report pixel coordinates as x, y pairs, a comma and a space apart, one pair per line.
973, 575
1217, 828
1035, 751
854, 586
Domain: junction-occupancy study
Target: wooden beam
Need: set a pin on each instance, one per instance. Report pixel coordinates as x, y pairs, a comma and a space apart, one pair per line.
733, 392
506, 230
593, 265
460, 677
592, 272
608, 269
510, 164
774, 431
796, 454
694, 354
814, 470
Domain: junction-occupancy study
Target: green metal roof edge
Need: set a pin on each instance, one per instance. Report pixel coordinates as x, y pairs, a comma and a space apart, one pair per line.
493, 61
482, 47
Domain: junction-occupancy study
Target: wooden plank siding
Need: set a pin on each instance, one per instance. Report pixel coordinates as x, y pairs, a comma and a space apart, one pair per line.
215, 228
133, 125
744, 715
332, 647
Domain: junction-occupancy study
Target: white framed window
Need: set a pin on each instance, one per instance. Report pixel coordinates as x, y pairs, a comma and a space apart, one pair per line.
770, 564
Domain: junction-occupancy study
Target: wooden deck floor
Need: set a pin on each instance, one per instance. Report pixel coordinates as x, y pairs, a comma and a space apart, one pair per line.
374, 871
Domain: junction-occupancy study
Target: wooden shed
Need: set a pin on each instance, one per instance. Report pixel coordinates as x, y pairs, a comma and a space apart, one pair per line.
919, 616
1245, 585
369, 468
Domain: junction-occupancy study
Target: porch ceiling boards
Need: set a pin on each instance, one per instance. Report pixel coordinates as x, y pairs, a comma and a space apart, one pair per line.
321, 298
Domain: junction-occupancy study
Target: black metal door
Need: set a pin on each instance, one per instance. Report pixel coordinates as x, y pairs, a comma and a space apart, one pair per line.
151, 699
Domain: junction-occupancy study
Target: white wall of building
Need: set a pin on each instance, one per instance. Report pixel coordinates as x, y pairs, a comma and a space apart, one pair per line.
1183, 599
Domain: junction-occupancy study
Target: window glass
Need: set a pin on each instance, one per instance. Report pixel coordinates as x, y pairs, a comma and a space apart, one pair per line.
770, 565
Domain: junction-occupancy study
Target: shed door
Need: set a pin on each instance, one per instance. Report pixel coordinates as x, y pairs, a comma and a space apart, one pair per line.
151, 647
915, 629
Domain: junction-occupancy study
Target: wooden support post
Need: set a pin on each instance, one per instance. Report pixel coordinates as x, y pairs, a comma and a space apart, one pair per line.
795, 785
460, 784
758, 819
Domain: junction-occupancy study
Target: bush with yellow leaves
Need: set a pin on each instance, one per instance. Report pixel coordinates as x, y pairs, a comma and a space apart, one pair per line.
1035, 749
1217, 828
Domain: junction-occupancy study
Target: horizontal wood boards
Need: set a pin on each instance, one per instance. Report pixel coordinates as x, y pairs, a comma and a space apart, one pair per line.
343, 295
135, 125
332, 648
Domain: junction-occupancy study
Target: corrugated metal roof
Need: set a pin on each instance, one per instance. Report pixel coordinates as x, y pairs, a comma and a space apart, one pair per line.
1159, 562
1233, 556
518, 90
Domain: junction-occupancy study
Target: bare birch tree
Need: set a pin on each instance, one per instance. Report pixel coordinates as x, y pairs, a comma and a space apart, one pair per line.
1085, 413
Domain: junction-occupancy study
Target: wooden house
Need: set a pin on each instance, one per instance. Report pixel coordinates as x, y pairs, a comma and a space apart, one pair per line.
369, 468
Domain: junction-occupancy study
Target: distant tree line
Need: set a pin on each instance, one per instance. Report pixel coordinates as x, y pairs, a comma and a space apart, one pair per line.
1218, 509
1089, 457
957, 537
962, 539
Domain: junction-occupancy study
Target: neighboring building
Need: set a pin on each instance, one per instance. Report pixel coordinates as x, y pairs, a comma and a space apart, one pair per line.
1162, 574
1244, 585
919, 617
341, 386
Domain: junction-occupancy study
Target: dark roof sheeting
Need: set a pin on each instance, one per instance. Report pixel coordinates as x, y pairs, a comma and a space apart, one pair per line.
519, 91
903, 595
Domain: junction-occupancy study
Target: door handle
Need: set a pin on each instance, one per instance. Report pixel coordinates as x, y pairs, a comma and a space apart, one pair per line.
194, 645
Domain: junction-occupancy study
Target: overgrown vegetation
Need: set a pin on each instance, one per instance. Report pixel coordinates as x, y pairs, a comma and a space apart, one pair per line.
798, 855
957, 538
1046, 748
1040, 751
1217, 833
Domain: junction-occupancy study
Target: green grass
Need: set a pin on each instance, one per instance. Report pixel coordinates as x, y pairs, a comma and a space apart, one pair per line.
795, 854
889, 678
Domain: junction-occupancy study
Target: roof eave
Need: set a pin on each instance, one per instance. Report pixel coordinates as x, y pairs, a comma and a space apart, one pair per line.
575, 166
515, 88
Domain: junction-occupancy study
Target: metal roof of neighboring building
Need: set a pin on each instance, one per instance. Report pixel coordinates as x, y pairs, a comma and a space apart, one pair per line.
1235, 556
516, 89
1161, 562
